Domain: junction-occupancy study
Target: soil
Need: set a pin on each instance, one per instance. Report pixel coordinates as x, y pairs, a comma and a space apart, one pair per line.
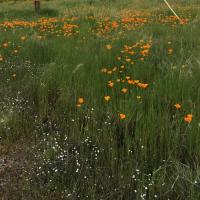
14, 160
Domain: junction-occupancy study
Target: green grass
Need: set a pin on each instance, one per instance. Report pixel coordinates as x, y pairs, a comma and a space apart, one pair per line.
88, 152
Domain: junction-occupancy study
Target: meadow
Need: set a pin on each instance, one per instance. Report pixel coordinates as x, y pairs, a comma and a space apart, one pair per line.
99, 100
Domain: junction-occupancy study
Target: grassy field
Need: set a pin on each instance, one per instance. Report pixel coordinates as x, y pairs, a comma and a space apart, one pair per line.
99, 100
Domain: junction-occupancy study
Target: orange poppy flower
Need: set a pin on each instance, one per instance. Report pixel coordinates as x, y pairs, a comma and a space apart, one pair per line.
115, 24
124, 90
107, 98
128, 60
108, 46
14, 76
122, 116
23, 38
80, 100
145, 52
170, 51
143, 85
1, 58
188, 118
118, 80
15, 51
110, 84
5, 45
104, 70
177, 106
114, 69
131, 81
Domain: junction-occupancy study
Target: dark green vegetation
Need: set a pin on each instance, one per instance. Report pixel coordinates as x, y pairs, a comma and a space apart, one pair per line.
88, 151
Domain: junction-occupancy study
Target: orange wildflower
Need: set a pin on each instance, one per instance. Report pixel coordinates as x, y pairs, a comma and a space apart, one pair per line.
170, 51
136, 81
80, 100
118, 80
104, 70
5, 45
15, 51
145, 52
188, 118
23, 38
146, 46
128, 60
131, 82
124, 90
143, 85
110, 84
177, 106
107, 98
14, 76
108, 46
115, 24
114, 69
122, 116
1, 58
131, 52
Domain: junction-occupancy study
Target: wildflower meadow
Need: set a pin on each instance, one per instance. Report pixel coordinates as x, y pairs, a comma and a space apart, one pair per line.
100, 100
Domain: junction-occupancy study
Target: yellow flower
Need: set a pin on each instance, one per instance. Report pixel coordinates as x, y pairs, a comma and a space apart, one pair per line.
107, 98
122, 116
